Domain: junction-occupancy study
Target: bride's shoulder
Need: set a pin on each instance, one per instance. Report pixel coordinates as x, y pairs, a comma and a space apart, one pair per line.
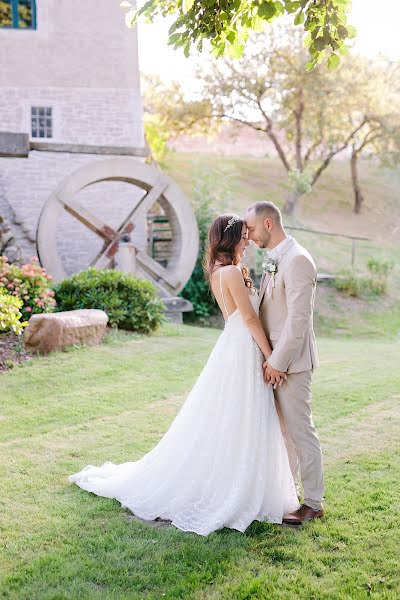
227, 270
232, 272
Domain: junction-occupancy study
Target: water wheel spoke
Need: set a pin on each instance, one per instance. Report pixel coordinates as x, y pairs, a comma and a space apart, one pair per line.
89, 219
156, 270
105, 256
107, 253
142, 208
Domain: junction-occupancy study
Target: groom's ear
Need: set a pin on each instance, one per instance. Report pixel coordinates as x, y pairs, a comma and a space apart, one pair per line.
268, 223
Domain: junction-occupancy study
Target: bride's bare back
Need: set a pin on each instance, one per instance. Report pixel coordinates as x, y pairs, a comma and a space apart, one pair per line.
221, 291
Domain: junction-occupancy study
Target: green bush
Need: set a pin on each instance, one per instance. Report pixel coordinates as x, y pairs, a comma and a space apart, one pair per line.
129, 302
211, 196
10, 314
373, 284
355, 285
30, 282
379, 267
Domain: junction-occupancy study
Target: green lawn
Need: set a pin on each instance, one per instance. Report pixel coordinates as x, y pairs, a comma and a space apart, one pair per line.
113, 403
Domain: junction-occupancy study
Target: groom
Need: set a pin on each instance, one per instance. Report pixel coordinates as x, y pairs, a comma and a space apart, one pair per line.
287, 293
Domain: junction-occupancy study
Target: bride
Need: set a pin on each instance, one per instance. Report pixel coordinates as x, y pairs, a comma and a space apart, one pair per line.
222, 462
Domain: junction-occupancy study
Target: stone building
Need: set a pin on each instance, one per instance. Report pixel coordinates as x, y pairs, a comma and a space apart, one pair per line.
69, 79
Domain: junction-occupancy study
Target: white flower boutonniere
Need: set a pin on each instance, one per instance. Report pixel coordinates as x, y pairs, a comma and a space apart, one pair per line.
271, 267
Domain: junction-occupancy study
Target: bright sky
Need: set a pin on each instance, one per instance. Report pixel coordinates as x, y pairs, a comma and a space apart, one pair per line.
378, 32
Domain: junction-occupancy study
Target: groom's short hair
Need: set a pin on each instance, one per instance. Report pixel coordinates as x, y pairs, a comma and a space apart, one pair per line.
267, 209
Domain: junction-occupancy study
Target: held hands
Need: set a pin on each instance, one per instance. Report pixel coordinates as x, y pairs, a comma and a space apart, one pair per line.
273, 376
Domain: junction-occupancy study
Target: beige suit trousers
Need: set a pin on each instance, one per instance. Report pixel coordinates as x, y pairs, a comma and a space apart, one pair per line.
293, 403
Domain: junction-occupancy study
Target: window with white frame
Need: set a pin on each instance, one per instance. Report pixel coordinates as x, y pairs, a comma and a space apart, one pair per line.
42, 121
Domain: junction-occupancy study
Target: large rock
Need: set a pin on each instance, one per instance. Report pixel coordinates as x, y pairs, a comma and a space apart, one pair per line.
55, 331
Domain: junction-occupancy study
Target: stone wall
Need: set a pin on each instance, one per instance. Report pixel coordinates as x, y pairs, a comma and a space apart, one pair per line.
97, 116
82, 62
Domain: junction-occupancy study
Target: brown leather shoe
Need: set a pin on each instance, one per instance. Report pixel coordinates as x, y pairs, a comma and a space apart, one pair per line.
303, 514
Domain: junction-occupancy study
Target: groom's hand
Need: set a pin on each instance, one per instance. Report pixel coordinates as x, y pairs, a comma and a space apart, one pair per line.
273, 376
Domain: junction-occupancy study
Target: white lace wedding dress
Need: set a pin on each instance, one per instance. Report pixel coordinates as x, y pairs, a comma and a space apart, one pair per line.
222, 462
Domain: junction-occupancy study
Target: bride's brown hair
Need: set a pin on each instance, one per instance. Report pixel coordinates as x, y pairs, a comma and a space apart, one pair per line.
221, 246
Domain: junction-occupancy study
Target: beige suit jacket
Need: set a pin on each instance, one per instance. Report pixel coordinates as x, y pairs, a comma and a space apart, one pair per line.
287, 316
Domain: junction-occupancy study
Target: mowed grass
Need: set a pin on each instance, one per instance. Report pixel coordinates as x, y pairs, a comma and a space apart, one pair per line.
114, 402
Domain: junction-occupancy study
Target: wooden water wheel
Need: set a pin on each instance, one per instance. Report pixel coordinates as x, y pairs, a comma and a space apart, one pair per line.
170, 254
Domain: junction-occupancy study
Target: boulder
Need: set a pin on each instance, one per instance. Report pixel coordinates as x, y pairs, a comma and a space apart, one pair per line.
49, 332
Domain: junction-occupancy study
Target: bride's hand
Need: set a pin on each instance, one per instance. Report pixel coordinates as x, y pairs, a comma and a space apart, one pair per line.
273, 376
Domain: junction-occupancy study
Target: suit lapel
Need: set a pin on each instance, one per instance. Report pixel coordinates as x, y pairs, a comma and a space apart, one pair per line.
263, 286
266, 277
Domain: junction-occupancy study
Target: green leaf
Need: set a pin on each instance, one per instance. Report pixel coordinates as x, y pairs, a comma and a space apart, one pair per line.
291, 6
319, 43
311, 65
267, 10
333, 62
131, 18
187, 5
299, 18
280, 9
236, 50
342, 31
173, 27
174, 38
308, 40
351, 31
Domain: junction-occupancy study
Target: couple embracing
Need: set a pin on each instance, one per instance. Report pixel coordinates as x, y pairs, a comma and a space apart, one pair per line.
244, 440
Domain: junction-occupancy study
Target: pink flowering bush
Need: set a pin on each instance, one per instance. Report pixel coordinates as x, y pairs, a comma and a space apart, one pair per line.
30, 283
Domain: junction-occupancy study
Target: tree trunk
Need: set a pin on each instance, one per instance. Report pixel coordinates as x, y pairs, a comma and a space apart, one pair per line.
291, 202
358, 197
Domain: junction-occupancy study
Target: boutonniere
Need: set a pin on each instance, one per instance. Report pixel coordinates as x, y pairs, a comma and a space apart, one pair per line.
271, 267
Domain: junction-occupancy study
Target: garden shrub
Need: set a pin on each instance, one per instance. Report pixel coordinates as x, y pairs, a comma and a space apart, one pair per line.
10, 314
130, 303
30, 283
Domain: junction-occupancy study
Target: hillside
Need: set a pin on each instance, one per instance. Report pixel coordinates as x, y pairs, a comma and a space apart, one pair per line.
329, 209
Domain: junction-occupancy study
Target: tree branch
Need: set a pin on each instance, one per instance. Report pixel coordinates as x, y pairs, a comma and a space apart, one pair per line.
273, 138
248, 123
311, 150
333, 153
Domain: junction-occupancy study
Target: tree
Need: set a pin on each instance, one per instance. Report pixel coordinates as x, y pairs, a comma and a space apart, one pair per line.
168, 113
227, 23
371, 93
301, 113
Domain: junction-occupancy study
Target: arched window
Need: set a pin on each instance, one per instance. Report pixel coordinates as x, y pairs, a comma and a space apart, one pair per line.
18, 14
